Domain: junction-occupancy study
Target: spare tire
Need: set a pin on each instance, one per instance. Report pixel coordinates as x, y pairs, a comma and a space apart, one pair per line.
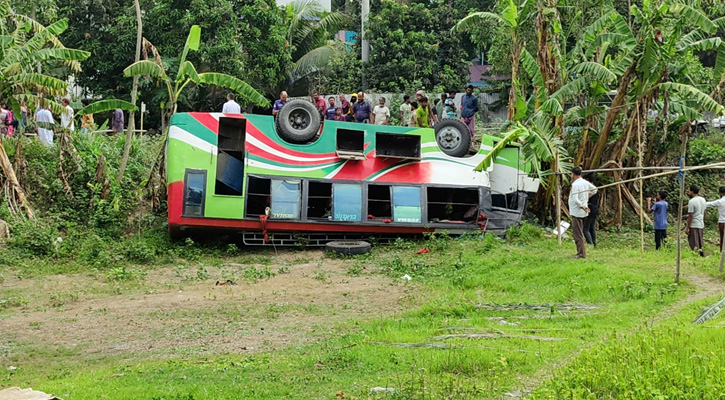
348, 247
298, 121
453, 137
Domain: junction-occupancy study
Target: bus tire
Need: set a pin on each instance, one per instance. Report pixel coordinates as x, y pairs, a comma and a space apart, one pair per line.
348, 247
298, 121
453, 137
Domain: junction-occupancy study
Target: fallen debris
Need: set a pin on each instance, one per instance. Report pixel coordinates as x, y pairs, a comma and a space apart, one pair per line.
16, 393
489, 335
226, 282
379, 389
536, 307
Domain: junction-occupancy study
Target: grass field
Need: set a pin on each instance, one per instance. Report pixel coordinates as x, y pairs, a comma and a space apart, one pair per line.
480, 318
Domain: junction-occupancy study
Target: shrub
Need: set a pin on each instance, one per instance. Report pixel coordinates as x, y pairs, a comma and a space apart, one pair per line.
35, 238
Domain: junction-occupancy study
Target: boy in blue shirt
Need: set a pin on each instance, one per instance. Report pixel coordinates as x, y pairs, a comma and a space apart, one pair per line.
659, 209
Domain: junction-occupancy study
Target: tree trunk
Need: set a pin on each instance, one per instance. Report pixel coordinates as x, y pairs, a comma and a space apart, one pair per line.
9, 172
515, 60
683, 151
612, 115
134, 92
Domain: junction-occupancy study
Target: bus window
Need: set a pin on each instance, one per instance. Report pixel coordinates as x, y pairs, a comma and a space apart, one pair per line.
406, 204
452, 204
346, 202
379, 205
194, 192
319, 201
258, 193
285, 199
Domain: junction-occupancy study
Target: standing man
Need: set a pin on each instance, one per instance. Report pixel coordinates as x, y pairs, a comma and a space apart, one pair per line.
405, 111
45, 135
117, 123
579, 209
362, 109
660, 213
330, 111
449, 108
279, 103
422, 114
696, 220
345, 105
590, 223
319, 103
381, 113
469, 108
720, 204
231, 106
441, 106
66, 119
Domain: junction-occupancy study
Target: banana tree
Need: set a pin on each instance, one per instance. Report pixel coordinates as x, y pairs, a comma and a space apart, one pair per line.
175, 85
187, 74
511, 19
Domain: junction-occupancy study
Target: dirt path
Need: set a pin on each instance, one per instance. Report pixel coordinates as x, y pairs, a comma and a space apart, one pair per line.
168, 315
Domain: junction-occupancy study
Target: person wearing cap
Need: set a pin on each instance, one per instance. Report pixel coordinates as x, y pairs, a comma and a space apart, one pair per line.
349, 115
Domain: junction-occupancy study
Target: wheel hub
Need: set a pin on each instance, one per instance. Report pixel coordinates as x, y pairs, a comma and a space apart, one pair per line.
449, 138
299, 120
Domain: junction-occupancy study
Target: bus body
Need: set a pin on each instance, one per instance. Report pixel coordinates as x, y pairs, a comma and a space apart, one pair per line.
233, 172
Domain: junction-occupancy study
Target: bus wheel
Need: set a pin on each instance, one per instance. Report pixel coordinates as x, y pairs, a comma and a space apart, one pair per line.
348, 247
298, 121
453, 137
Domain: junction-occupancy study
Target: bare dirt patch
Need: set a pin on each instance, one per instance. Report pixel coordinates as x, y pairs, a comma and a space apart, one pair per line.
169, 314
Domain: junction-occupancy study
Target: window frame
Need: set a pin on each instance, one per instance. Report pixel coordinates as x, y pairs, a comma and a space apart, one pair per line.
194, 171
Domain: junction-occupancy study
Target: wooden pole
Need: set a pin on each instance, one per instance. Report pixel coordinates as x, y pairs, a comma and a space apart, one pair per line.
697, 168
679, 209
722, 256
558, 200
641, 195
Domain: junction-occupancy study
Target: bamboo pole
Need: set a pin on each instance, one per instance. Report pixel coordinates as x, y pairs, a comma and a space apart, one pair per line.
558, 200
679, 209
641, 195
696, 168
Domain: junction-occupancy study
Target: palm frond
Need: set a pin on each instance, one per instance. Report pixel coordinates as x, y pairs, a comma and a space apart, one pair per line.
61, 54
532, 69
477, 20
187, 69
107, 105
192, 43
710, 312
46, 82
693, 16
517, 132
702, 45
597, 71
145, 67
552, 106
313, 61
719, 68
242, 88
693, 94
30, 99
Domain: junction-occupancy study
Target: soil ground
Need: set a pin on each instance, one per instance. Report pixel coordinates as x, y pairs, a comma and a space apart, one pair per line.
169, 313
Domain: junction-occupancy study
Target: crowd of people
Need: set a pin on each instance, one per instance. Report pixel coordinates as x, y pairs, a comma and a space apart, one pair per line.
45, 121
412, 113
583, 208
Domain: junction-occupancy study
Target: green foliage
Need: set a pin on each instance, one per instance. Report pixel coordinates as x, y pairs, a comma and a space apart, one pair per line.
524, 233
413, 48
253, 274
35, 238
123, 274
703, 152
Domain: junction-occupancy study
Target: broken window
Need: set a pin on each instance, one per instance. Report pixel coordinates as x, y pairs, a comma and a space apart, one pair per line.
397, 145
319, 200
230, 156
258, 196
452, 204
379, 202
350, 144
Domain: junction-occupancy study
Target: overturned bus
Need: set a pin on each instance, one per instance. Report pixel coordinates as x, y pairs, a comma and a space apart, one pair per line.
292, 179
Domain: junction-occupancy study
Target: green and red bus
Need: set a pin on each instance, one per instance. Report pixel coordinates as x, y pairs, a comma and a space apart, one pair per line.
280, 180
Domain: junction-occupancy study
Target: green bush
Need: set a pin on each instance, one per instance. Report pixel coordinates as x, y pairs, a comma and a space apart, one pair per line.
35, 238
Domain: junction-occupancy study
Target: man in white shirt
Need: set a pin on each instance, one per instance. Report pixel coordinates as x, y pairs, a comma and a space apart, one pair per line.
696, 220
381, 113
720, 204
581, 190
44, 135
66, 119
231, 106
